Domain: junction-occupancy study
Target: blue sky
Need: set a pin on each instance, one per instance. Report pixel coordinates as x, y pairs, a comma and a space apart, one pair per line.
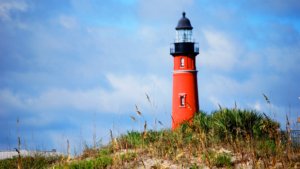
75, 69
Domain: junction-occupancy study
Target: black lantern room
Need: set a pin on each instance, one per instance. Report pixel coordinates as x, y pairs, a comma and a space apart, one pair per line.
184, 42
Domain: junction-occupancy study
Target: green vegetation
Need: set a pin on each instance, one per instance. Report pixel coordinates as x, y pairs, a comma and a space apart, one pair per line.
227, 138
102, 160
222, 160
35, 162
250, 135
127, 157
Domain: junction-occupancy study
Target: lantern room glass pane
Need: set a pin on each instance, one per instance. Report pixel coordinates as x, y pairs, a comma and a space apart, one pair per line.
184, 35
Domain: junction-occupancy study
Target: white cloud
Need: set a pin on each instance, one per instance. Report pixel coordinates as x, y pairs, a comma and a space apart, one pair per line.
284, 59
129, 90
68, 22
8, 99
215, 101
220, 89
6, 7
226, 86
125, 92
257, 106
120, 96
163, 10
221, 52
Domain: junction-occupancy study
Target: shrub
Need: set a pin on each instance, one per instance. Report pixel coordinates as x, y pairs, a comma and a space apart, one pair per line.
203, 122
127, 157
132, 139
103, 162
98, 163
35, 162
104, 152
222, 160
153, 136
86, 164
266, 148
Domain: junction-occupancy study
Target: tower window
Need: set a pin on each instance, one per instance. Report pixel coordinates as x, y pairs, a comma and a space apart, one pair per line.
182, 100
181, 62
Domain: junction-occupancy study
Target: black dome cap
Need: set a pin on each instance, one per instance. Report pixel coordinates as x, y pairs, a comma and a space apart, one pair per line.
184, 23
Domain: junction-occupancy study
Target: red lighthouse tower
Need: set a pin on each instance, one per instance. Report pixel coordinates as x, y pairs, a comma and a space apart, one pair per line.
185, 91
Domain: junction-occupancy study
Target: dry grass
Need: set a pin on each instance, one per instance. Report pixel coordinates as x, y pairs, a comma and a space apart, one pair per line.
228, 138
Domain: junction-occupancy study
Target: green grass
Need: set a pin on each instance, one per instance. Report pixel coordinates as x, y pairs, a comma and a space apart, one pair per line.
240, 131
101, 161
222, 160
35, 162
127, 157
252, 135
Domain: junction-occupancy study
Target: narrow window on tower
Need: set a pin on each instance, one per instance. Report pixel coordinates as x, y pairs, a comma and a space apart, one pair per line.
181, 62
182, 100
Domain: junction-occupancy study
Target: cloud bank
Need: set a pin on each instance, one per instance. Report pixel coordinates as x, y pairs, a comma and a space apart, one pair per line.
80, 67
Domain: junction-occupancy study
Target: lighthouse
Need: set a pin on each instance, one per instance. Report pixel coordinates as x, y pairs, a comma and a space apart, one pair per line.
185, 91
